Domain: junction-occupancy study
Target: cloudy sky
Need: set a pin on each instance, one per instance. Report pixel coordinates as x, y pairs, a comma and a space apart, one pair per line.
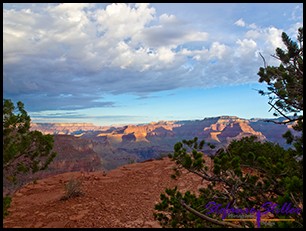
137, 63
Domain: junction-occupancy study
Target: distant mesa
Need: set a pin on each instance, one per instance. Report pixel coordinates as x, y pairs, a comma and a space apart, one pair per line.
66, 128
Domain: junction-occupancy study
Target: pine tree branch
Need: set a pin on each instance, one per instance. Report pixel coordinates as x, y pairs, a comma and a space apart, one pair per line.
278, 110
265, 65
207, 218
295, 202
9, 163
294, 106
209, 178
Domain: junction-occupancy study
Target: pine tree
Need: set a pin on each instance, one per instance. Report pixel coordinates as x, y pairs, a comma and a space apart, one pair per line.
285, 86
247, 173
285, 82
24, 151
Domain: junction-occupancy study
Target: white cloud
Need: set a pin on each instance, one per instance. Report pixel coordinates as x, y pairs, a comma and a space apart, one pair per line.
297, 13
218, 50
83, 49
253, 26
165, 54
246, 47
165, 18
70, 11
120, 20
253, 34
293, 30
195, 36
274, 37
240, 23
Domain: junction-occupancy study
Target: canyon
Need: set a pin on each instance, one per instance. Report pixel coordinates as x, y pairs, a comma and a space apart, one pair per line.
86, 147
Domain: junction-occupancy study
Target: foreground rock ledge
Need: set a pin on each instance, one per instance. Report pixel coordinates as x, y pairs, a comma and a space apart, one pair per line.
124, 197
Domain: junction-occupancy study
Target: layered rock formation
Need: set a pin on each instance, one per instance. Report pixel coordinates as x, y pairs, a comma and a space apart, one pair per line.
216, 129
89, 148
65, 128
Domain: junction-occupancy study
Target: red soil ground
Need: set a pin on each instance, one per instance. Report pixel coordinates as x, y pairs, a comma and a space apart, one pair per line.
124, 197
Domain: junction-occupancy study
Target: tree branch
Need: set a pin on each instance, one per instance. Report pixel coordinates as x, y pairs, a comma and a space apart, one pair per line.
265, 65
295, 202
289, 119
207, 218
9, 163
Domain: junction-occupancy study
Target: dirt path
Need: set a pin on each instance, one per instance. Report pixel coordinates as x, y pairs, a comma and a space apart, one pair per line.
124, 197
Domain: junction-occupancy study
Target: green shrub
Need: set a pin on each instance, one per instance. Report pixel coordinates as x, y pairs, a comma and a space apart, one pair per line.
6, 204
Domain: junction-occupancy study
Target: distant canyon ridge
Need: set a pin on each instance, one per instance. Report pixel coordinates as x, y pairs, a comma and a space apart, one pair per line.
86, 147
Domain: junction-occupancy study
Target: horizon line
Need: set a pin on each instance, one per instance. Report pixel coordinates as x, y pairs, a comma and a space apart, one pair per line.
156, 121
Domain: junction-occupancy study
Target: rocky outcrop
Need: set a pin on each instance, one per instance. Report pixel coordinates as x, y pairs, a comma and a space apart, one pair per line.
160, 132
228, 128
141, 132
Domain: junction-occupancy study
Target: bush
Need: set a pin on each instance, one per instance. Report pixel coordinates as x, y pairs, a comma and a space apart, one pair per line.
6, 204
72, 189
